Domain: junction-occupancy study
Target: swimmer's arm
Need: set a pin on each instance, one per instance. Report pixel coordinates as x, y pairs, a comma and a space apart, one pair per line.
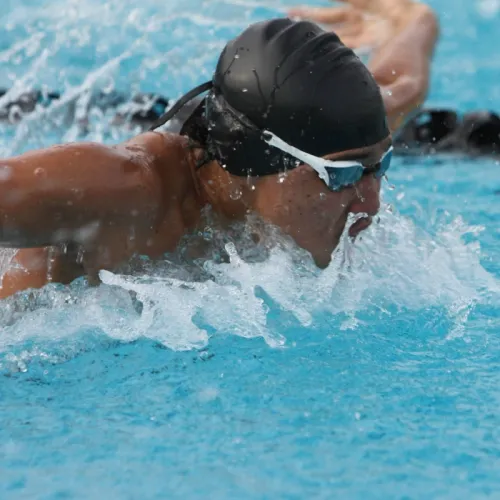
76, 193
401, 66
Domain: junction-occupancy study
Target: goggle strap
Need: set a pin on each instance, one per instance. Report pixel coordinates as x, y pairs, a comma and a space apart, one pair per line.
311, 160
204, 87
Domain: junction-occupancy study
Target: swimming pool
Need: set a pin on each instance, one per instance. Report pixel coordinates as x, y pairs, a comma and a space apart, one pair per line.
377, 378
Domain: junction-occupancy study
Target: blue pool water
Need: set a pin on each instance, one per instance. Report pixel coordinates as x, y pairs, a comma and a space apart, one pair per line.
378, 378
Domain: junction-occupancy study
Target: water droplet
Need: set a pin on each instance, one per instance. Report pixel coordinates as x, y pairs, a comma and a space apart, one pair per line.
15, 114
281, 177
5, 172
80, 255
237, 56
39, 172
208, 233
388, 92
322, 196
244, 90
78, 193
359, 195
235, 194
131, 234
400, 196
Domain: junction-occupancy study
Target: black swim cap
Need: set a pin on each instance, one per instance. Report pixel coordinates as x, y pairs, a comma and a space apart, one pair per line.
296, 80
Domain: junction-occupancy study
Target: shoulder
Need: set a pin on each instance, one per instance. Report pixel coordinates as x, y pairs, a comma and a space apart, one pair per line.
158, 150
156, 144
167, 156
419, 22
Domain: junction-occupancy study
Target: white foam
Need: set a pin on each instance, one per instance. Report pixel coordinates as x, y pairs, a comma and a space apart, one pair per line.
396, 266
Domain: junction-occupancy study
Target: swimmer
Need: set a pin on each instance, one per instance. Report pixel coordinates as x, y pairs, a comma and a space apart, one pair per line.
292, 120
433, 131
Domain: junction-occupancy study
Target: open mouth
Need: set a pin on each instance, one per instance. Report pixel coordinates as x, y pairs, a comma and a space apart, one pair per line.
360, 225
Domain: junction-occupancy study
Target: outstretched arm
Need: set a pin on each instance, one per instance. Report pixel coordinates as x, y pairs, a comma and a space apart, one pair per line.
76, 193
403, 34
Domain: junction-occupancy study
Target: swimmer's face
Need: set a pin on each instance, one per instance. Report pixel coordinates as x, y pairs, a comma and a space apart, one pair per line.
313, 215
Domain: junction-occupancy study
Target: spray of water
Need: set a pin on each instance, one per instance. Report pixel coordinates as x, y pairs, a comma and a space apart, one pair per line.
394, 268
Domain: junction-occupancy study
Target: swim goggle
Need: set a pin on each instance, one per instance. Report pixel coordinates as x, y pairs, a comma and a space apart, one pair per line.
337, 174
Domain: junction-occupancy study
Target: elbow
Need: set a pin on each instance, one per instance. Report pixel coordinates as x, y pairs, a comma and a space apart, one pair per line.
416, 91
404, 97
429, 19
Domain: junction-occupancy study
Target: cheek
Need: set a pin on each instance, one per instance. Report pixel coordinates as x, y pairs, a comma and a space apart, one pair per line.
302, 202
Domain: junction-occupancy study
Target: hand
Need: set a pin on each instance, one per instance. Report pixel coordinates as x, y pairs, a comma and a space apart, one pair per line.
362, 23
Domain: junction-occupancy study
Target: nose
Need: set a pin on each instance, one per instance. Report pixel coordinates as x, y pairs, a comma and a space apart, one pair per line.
366, 196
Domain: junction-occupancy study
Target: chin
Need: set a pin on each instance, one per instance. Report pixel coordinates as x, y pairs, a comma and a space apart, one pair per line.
323, 261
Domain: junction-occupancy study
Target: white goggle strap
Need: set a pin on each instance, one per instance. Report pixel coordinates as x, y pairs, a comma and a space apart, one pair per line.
316, 163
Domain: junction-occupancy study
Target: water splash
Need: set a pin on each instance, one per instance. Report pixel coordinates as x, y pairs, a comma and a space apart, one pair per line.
393, 269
